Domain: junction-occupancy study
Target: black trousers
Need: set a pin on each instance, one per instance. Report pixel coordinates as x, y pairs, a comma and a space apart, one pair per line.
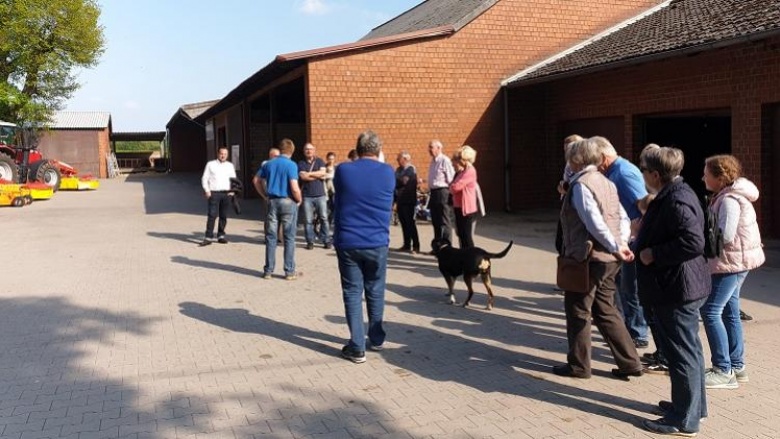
464, 226
218, 206
408, 226
441, 214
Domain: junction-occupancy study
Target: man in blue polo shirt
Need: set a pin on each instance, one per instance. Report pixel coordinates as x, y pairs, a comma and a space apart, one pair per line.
362, 208
277, 183
631, 189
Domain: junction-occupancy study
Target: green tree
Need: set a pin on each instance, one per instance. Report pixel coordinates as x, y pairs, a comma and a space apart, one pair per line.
42, 42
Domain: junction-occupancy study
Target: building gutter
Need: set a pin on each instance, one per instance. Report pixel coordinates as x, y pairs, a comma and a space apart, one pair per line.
368, 44
507, 155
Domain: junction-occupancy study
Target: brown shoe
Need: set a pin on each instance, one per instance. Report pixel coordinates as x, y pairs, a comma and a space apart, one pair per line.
565, 370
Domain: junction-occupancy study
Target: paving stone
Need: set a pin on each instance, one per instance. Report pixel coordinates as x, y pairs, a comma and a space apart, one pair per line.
137, 332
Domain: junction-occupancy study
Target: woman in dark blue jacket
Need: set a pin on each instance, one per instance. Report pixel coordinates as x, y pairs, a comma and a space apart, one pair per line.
674, 280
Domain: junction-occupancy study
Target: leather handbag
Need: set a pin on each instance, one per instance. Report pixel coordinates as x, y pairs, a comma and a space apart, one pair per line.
573, 275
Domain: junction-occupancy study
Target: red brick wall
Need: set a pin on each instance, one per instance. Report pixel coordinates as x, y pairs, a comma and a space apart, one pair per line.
449, 88
741, 79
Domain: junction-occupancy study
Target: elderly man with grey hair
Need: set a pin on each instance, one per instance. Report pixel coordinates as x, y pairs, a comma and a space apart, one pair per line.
362, 208
406, 200
440, 175
595, 230
631, 190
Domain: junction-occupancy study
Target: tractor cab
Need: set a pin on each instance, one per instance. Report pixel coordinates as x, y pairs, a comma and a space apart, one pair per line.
7, 133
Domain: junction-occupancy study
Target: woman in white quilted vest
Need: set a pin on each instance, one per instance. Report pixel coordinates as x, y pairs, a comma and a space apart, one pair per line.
732, 204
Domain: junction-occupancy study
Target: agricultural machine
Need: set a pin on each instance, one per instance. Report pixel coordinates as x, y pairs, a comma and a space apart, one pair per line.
21, 162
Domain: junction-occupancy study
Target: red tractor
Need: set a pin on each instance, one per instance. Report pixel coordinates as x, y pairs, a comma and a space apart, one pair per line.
23, 164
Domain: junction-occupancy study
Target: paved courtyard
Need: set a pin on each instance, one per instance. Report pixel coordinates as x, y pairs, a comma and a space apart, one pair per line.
114, 323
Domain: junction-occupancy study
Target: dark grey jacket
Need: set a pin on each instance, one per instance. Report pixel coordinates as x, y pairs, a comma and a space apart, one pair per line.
673, 228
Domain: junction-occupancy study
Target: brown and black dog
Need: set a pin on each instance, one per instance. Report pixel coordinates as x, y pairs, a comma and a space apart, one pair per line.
469, 263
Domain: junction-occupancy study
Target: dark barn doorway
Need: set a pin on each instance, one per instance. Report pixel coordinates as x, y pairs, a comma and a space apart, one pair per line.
698, 136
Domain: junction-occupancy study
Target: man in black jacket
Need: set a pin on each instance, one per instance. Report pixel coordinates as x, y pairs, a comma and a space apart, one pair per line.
674, 280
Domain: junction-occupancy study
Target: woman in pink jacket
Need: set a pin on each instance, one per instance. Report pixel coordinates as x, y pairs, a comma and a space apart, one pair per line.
465, 195
732, 205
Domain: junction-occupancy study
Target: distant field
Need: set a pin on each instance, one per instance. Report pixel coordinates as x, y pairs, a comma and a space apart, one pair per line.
145, 146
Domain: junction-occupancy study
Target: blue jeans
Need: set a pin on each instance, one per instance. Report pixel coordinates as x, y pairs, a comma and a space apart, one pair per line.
632, 311
318, 205
284, 211
678, 325
720, 314
363, 271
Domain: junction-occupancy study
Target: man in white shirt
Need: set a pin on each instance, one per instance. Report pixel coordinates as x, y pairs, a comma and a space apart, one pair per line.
216, 188
440, 175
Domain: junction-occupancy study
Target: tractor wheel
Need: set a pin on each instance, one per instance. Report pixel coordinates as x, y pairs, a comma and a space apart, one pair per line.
28, 199
8, 169
47, 174
17, 202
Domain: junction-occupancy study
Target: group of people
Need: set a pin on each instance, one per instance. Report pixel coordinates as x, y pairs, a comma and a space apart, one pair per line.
356, 199
641, 232
454, 196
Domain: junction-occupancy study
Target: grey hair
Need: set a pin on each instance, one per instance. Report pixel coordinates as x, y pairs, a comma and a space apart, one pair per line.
437, 143
667, 161
405, 154
583, 153
605, 146
368, 144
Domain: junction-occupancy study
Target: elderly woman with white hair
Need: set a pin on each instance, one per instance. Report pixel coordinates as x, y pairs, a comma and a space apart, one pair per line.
466, 198
595, 231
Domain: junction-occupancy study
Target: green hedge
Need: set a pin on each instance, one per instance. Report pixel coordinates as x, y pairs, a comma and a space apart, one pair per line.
144, 146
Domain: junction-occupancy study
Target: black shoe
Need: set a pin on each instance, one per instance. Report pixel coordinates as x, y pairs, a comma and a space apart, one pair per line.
222, 240
666, 407
625, 374
565, 370
641, 344
309, 245
745, 316
353, 355
204, 243
656, 369
402, 249
663, 426
649, 358
327, 246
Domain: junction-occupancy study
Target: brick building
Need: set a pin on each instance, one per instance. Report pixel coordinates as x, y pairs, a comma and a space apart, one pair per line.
434, 71
701, 75
186, 138
80, 139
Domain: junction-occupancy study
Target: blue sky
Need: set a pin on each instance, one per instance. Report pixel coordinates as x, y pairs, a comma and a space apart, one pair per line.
161, 54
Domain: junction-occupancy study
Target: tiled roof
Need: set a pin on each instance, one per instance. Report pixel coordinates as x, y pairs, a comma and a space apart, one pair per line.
676, 27
196, 109
81, 120
431, 14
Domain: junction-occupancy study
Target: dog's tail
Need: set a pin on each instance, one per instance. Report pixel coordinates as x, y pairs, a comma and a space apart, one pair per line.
502, 254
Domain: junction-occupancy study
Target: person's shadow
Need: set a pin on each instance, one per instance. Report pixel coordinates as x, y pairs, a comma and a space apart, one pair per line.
442, 357
240, 320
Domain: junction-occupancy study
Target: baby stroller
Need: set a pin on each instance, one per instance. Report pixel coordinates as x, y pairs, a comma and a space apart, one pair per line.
421, 211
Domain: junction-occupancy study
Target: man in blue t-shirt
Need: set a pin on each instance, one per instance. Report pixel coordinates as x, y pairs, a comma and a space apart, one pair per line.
631, 189
362, 209
277, 183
